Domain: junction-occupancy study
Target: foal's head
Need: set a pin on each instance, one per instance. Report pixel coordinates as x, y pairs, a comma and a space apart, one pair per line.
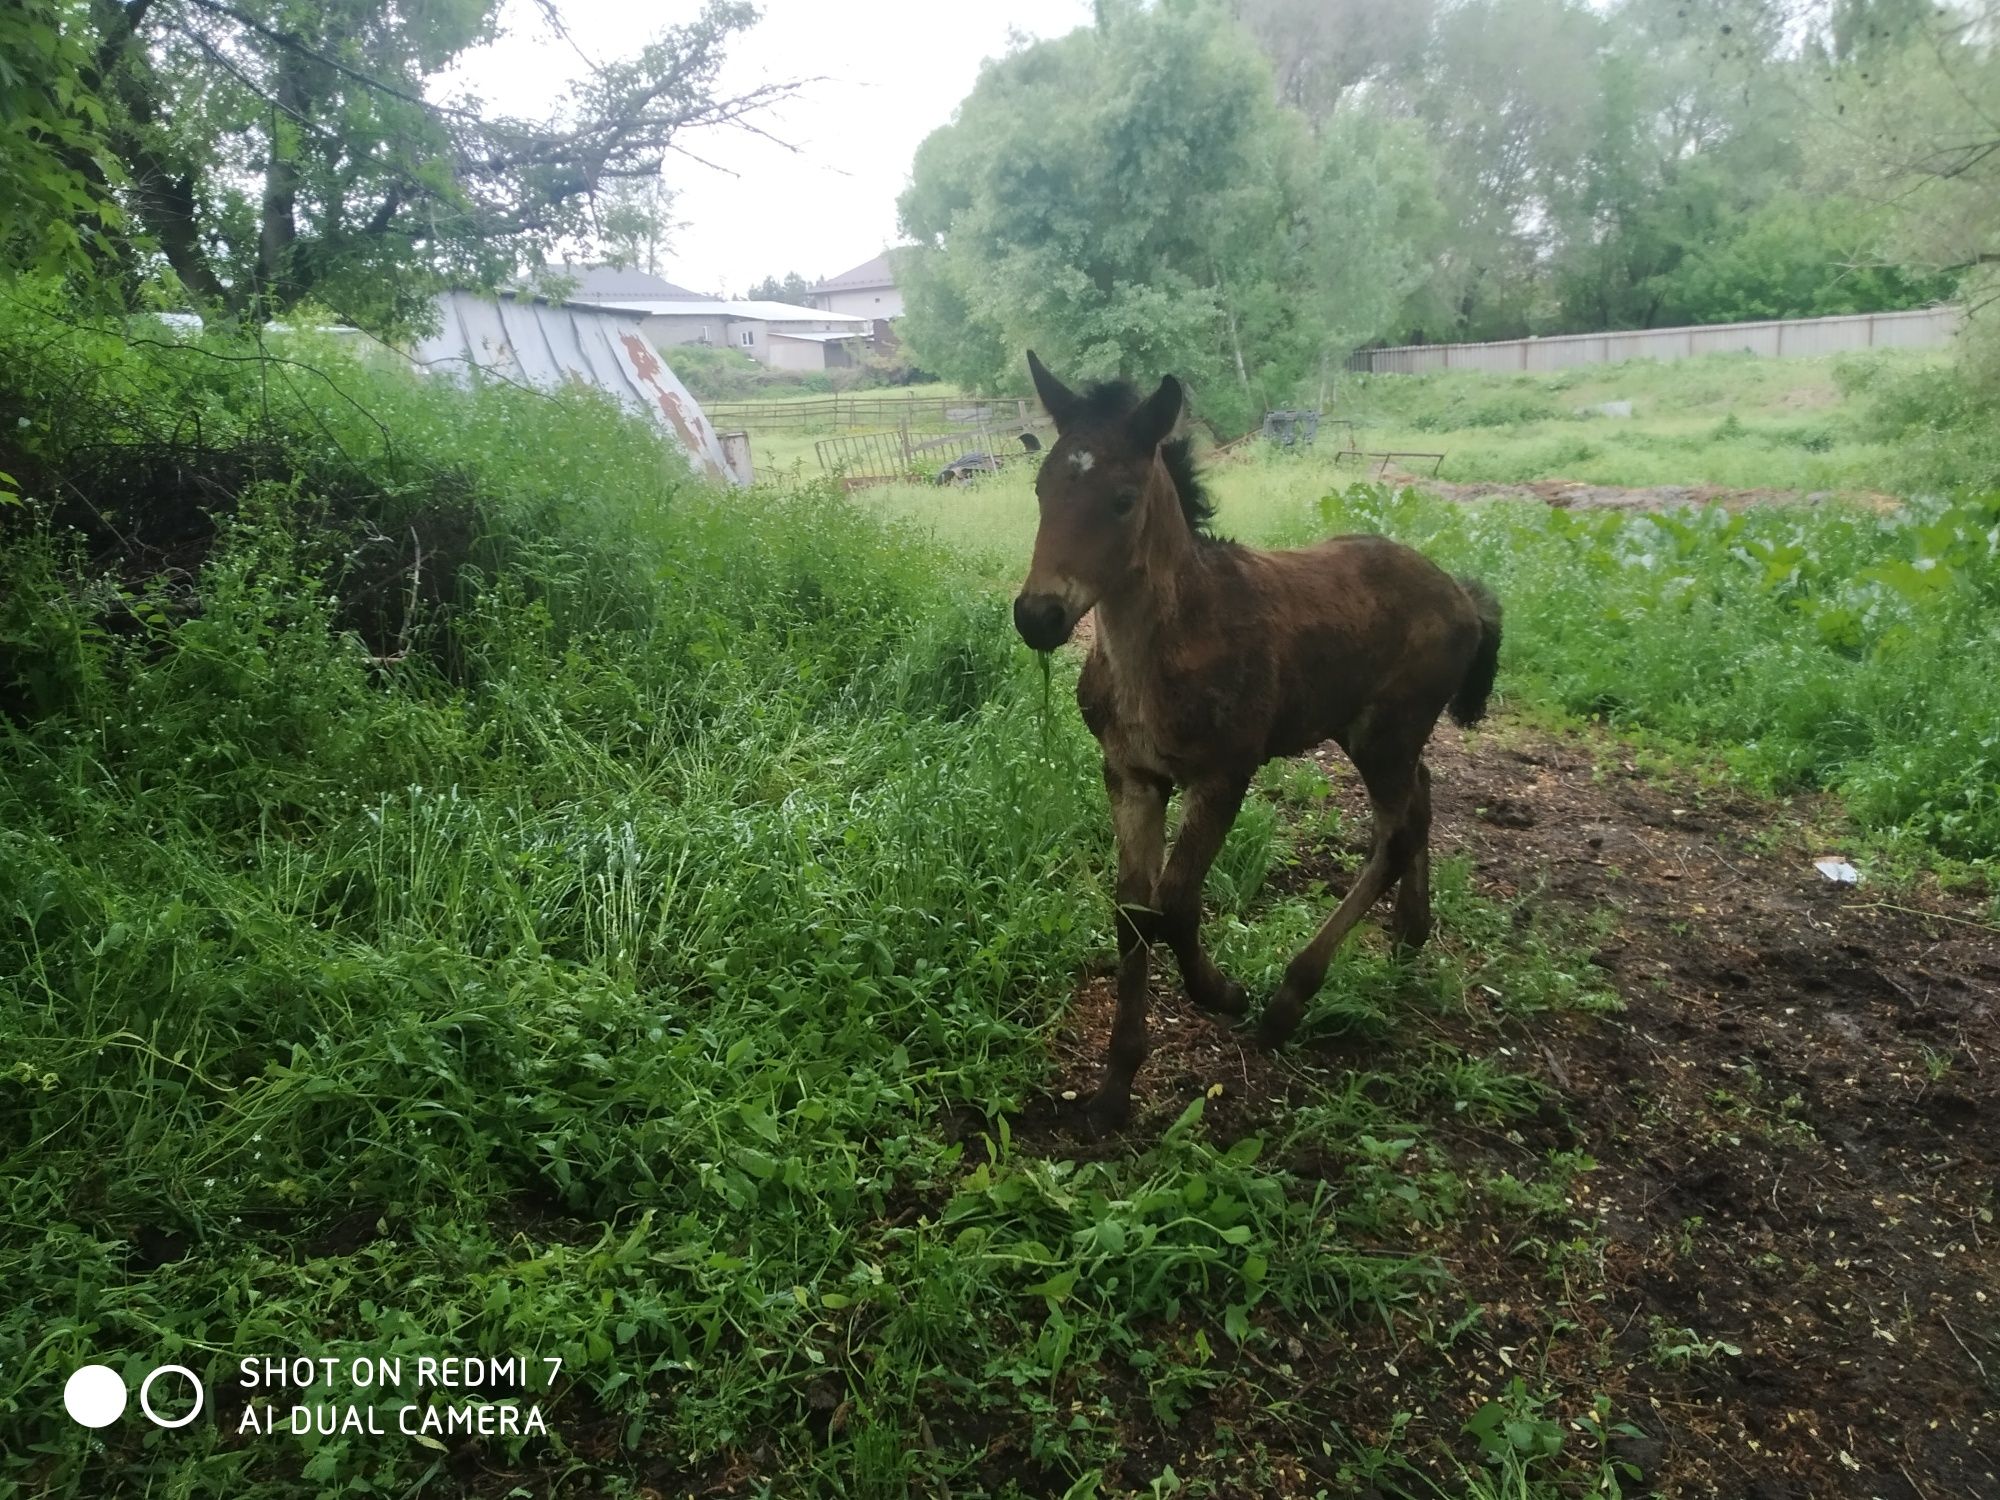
1107, 497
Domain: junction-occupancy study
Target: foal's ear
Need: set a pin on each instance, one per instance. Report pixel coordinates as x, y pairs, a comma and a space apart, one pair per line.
1058, 398
1154, 417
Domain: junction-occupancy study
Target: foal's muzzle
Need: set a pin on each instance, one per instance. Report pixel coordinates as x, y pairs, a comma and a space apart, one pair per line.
1043, 620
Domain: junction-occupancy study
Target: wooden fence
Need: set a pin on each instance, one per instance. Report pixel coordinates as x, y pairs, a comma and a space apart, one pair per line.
1919, 328
832, 413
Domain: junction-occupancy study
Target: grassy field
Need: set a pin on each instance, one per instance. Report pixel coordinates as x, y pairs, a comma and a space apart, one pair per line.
923, 390
1804, 426
631, 927
1734, 421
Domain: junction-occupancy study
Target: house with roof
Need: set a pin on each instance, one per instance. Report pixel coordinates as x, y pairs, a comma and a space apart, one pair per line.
780, 335
866, 291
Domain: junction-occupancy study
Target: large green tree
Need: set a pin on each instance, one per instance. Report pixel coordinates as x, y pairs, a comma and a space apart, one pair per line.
56, 205
1132, 198
1622, 164
1508, 99
267, 153
791, 287
1912, 123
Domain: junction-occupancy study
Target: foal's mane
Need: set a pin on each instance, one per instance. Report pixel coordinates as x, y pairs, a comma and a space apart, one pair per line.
1110, 401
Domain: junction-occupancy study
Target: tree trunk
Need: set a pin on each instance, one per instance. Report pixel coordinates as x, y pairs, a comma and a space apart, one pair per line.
277, 277
162, 194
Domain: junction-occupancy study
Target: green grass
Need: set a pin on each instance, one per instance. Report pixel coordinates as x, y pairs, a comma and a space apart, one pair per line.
631, 935
1898, 422
923, 390
639, 969
1827, 646
1731, 421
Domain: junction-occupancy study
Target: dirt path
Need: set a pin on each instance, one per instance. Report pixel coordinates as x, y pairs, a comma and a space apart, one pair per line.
1796, 1121
1573, 494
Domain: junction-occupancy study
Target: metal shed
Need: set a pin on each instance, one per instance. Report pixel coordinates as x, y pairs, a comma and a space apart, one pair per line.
549, 345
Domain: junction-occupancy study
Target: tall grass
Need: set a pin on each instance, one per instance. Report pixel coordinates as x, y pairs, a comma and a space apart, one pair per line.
728, 862
1831, 646
486, 893
635, 966
1732, 421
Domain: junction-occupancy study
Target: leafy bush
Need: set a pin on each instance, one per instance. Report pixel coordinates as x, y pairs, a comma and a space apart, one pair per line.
713, 374
1943, 419
1814, 647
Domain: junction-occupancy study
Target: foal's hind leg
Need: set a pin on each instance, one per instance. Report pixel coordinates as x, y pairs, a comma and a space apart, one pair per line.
1208, 808
1411, 920
1392, 789
1139, 818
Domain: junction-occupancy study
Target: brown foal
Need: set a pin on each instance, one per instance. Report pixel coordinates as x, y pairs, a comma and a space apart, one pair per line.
1211, 658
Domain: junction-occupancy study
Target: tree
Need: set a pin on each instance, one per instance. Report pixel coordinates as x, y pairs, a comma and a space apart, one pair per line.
1509, 99
1131, 199
793, 289
1798, 255
1324, 53
1692, 131
1915, 128
270, 153
1865, 32
634, 221
55, 203
1597, 161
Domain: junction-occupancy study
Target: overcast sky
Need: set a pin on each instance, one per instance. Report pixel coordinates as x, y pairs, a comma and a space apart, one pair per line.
891, 72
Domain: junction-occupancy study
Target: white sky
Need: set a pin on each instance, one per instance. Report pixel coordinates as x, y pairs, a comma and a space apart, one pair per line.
891, 72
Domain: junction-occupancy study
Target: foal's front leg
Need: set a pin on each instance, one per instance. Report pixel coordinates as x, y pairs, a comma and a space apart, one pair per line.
1139, 819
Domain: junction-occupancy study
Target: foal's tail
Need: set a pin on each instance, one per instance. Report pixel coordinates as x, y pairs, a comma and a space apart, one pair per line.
1468, 704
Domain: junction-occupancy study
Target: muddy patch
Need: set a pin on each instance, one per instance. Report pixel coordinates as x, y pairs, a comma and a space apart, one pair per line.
1784, 1268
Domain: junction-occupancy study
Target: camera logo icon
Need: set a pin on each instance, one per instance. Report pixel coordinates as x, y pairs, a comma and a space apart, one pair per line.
95, 1396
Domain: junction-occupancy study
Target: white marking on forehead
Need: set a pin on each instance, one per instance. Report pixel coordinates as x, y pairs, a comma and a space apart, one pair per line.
1082, 460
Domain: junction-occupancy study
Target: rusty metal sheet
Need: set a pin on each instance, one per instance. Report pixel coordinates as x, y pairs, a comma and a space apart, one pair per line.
548, 345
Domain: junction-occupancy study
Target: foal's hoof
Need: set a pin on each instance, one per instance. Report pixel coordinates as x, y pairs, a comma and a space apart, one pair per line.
1106, 1113
1409, 941
1225, 999
1281, 1019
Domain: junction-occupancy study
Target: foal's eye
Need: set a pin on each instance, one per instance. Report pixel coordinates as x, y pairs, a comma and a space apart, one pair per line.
1123, 501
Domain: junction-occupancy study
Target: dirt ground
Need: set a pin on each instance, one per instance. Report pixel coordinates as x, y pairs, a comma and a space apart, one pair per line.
1796, 1121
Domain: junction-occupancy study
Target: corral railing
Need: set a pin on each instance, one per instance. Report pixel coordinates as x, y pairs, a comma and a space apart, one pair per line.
1781, 338
908, 455
835, 412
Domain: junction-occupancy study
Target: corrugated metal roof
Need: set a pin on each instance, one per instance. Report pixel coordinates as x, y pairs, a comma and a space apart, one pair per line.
605, 283
871, 272
549, 345
820, 336
715, 307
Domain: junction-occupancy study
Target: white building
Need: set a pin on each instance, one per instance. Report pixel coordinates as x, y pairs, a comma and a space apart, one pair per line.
866, 291
777, 334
